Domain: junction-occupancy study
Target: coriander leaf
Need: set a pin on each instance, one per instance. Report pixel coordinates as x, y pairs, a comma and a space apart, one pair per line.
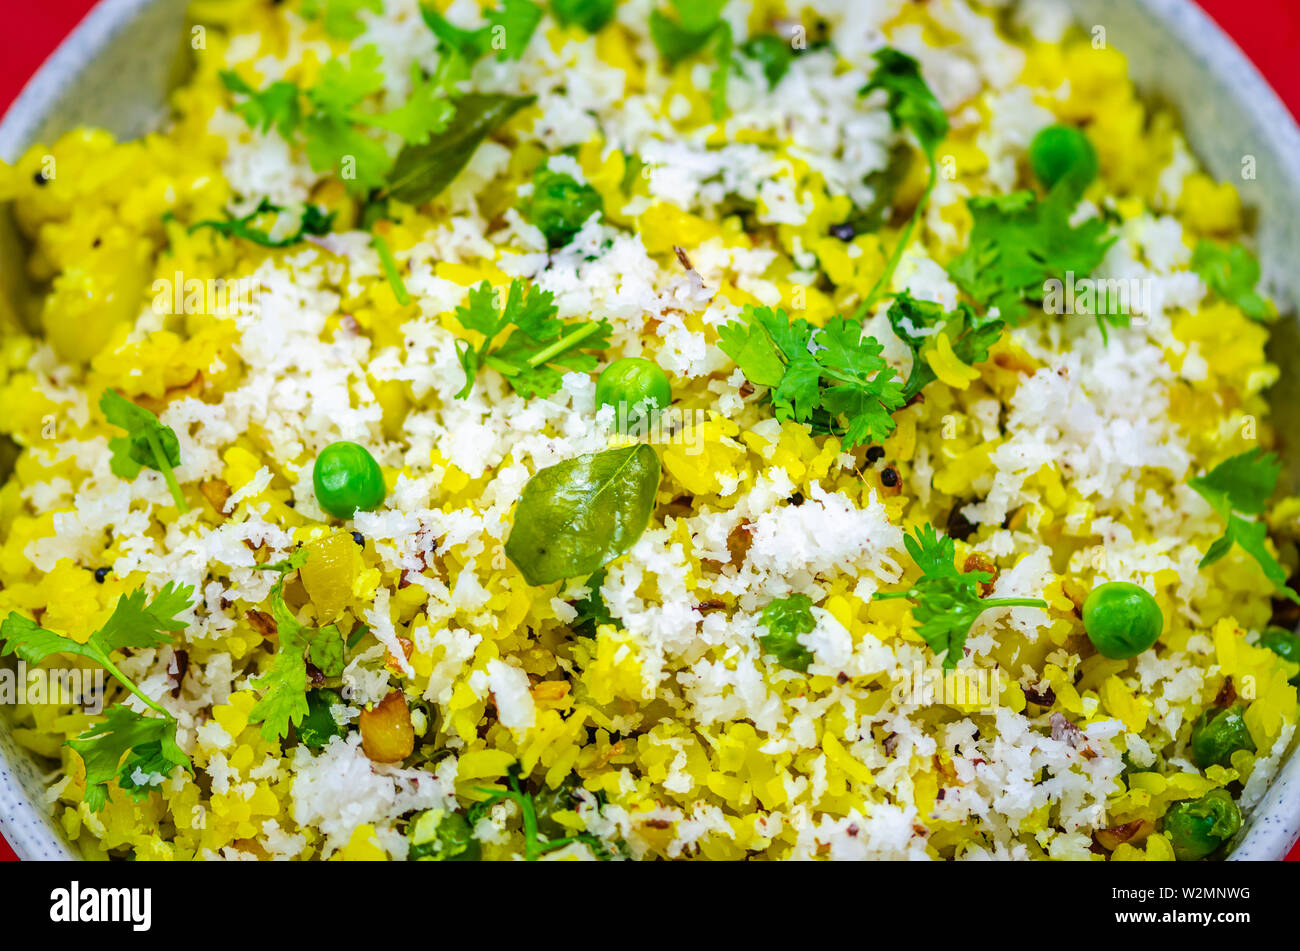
933, 553
771, 52
946, 602
120, 463
970, 335
426, 110
332, 141
912, 105
149, 741
591, 15
698, 23
1232, 274
481, 312
516, 20
470, 45
285, 681
31, 642
860, 386
150, 760
592, 610
318, 727
784, 619
421, 172
332, 127
833, 378
576, 517
796, 395
1239, 486
559, 206
753, 350
1018, 243
1243, 483
334, 146
296, 559
510, 26
1252, 537
341, 18
137, 623
147, 443
134, 623
343, 84
276, 105
313, 221
326, 650
530, 356
690, 32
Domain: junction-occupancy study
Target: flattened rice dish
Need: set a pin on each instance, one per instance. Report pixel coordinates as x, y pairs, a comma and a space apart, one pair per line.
662, 429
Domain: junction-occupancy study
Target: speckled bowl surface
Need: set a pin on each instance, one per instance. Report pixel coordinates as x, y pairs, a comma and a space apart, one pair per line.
114, 70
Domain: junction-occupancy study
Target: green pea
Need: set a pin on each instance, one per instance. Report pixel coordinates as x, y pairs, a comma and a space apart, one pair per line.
347, 480
438, 836
1217, 735
632, 383
1122, 620
1283, 643
1197, 829
1061, 150
560, 206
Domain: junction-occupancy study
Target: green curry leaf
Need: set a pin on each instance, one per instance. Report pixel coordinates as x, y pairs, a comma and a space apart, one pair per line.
576, 517
421, 172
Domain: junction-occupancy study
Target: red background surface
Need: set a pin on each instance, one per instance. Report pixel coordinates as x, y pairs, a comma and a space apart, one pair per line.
1268, 30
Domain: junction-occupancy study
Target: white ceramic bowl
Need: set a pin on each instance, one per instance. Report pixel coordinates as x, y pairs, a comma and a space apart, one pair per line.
114, 71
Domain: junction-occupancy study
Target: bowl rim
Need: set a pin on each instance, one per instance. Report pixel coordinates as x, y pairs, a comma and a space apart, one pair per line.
1274, 825
41, 92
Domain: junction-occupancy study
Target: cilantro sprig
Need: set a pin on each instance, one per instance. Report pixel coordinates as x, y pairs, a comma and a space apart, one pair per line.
285, 701
1239, 489
970, 335
945, 601
276, 106
913, 106
539, 347
331, 119
1019, 242
147, 443
126, 743
1232, 274
832, 378
312, 221
534, 846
